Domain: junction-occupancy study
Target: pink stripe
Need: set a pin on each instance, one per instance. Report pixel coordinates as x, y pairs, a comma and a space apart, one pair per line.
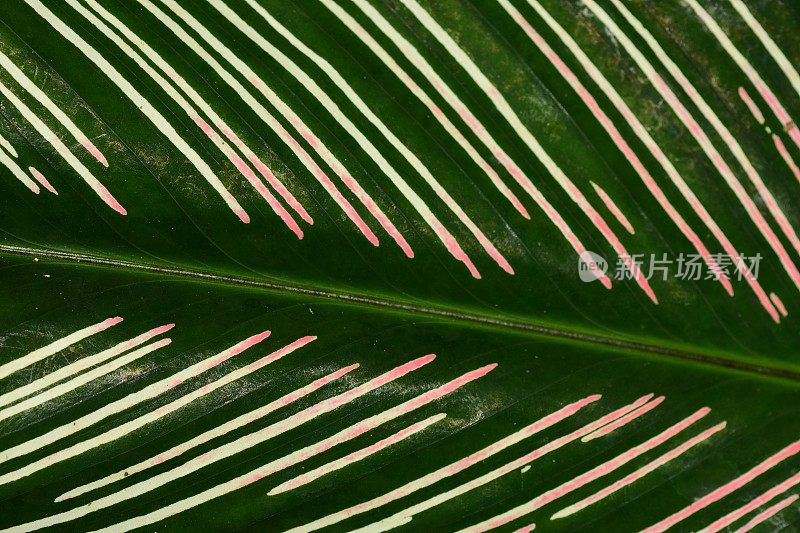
349, 433
755, 503
766, 514
640, 473
591, 475
623, 146
92, 149
365, 36
520, 177
358, 455
454, 248
778, 303
236, 349
326, 182
371, 423
722, 167
225, 428
41, 179
277, 184
112, 202
615, 210
526, 529
636, 413
751, 105
248, 173
726, 489
777, 108
786, 156
468, 461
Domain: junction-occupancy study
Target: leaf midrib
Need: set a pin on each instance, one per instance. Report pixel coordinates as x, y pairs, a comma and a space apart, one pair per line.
484, 320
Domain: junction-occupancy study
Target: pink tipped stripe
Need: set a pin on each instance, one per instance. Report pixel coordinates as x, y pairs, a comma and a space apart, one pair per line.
725, 489
702, 139
353, 25
778, 303
587, 477
751, 105
621, 421
249, 175
359, 455
611, 129
18, 173
273, 123
342, 118
141, 103
96, 153
787, 157
289, 460
211, 434
413, 55
397, 518
651, 144
639, 473
768, 513
141, 421
528, 138
165, 67
231, 448
46, 351
755, 503
41, 179
752, 74
80, 380
458, 466
111, 409
273, 180
40, 96
613, 208
80, 365
526, 529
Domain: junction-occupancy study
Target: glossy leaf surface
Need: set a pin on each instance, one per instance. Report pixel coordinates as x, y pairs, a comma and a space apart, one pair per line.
373, 183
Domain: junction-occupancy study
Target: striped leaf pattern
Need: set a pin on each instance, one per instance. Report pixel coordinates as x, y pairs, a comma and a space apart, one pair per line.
392, 331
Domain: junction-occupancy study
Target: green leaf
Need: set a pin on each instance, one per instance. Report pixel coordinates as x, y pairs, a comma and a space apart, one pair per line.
302, 265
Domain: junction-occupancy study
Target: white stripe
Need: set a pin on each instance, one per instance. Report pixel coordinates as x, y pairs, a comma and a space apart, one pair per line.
353, 130
360, 32
62, 149
137, 423
774, 50
751, 73
55, 347
452, 99
48, 104
254, 105
505, 109
78, 366
113, 408
18, 173
246, 171
8, 146
358, 455
219, 453
452, 468
641, 132
218, 431
81, 379
142, 104
700, 136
